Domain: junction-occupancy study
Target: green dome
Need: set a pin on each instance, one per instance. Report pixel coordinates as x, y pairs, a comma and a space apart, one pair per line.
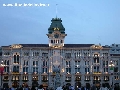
56, 25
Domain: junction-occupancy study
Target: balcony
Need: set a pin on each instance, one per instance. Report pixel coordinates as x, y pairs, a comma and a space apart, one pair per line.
97, 73
44, 80
25, 80
34, 79
15, 80
106, 80
77, 79
6, 80
87, 80
15, 73
77, 73
97, 80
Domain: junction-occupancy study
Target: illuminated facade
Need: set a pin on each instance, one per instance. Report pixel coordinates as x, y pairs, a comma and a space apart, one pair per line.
34, 64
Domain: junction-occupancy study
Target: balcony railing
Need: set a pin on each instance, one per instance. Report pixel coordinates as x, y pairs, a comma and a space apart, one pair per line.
34, 79
15, 80
97, 73
25, 80
77, 79
6, 80
44, 80
87, 80
106, 80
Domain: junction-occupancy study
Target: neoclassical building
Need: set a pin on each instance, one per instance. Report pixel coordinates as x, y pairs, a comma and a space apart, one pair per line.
78, 64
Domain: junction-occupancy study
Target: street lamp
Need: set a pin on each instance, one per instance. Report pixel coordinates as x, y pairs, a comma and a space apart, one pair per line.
1, 70
111, 65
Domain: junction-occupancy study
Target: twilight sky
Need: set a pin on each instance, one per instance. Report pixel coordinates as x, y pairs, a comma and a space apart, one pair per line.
85, 21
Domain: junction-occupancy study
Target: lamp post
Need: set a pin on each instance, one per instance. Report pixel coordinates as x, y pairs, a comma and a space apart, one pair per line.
111, 65
1, 70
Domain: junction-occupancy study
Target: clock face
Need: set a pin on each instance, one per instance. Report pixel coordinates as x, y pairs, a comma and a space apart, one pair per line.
56, 35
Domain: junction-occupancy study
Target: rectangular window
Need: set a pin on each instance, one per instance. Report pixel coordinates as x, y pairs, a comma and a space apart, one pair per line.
115, 69
25, 77
68, 55
87, 77
45, 55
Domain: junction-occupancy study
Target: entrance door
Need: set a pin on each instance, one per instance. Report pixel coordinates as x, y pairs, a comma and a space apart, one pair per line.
15, 84
5, 85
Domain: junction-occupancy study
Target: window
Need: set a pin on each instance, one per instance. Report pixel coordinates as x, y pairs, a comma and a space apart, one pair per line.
61, 41
16, 69
68, 70
116, 62
25, 77
35, 78
106, 78
106, 69
87, 77
77, 78
15, 77
35, 69
25, 63
45, 55
44, 70
6, 53
115, 69
6, 62
16, 58
6, 78
45, 63
68, 78
35, 53
6, 69
86, 62
68, 55
35, 63
44, 78
96, 58
96, 77
77, 63
87, 70
51, 41
25, 69
26, 53
77, 70
96, 69
116, 77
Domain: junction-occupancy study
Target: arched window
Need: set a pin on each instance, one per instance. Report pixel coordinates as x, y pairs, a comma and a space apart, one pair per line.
51, 41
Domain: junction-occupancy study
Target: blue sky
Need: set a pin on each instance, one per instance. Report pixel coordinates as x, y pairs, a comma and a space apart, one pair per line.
85, 21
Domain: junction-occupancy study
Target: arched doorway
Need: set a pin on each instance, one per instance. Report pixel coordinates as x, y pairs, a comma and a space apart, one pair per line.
77, 85
5, 85
67, 85
15, 84
87, 85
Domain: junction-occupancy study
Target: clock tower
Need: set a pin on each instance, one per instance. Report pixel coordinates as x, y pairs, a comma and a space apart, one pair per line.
56, 33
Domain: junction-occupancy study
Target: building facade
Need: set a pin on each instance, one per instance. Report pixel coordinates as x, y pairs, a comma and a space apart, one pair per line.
78, 64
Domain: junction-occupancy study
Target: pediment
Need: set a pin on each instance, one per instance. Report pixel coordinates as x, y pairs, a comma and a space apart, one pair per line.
16, 46
96, 47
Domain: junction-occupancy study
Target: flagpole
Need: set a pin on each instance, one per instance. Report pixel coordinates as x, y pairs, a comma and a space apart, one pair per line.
56, 10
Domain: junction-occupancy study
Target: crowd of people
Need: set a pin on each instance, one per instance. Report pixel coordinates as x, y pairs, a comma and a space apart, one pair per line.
64, 87
93, 87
